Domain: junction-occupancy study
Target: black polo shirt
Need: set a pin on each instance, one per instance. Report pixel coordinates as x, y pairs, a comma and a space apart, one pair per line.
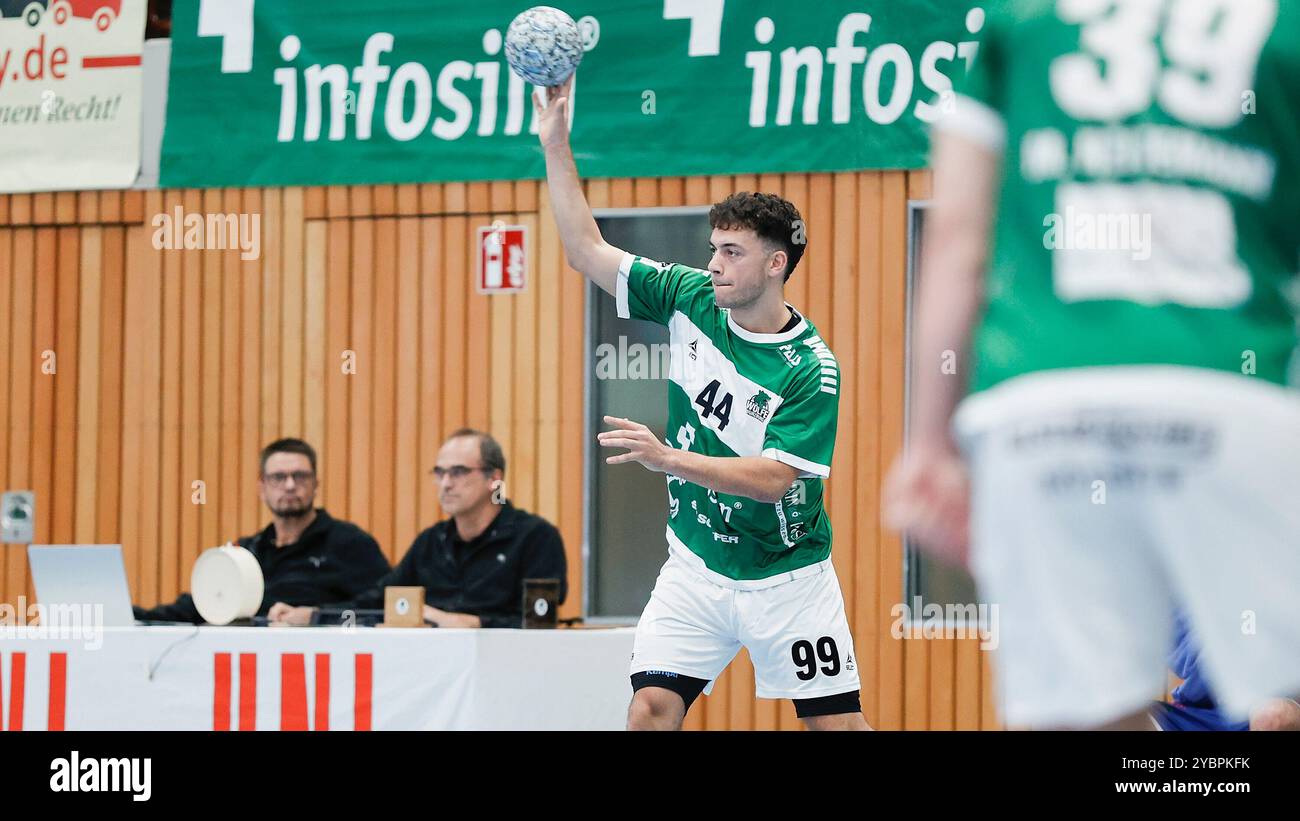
483, 577
332, 561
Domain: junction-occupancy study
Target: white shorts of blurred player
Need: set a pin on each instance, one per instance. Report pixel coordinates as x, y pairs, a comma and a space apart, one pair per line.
1103, 498
794, 629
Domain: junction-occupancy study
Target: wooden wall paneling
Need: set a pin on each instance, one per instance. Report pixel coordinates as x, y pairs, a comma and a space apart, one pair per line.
455, 328
110, 206
314, 206
893, 233
293, 318
988, 694
193, 332
21, 367
233, 487
65, 208
43, 208
45, 343
528, 326
173, 491
7, 410
943, 679
332, 453
20, 209
212, 401
385, 200
383, 408
869, 626
432, 385
967, 685
543, 254
147, 269
316, 360
431, 198
408, 407
66, 348
455, 198
88, 362
272, 285
251, 327
842, 489
480, 341
408, 200
572, 468
361, 343
797, 289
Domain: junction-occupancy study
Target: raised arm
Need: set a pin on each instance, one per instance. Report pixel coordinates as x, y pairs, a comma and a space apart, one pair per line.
584, 247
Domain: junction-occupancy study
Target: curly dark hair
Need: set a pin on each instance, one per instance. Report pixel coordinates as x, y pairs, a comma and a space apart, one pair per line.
773, 218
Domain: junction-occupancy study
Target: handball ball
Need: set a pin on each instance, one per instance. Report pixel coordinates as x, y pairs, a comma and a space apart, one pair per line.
543, 46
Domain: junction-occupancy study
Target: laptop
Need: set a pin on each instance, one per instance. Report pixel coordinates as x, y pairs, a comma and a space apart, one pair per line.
81, 575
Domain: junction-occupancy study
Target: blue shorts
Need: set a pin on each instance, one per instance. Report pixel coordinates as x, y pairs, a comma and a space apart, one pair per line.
1177, 717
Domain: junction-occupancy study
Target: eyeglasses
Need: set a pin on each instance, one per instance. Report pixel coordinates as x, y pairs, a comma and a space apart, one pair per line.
300, 477
456, 472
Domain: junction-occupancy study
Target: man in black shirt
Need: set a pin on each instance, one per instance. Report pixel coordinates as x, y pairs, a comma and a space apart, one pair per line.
307, 556
472, 566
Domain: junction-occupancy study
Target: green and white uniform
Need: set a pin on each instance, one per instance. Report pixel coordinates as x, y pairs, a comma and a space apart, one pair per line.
1134, 428
766, 565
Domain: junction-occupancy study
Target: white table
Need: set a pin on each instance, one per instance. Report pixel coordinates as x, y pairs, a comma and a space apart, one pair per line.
204, 678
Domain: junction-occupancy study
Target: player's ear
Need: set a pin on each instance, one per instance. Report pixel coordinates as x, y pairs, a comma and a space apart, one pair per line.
777, 263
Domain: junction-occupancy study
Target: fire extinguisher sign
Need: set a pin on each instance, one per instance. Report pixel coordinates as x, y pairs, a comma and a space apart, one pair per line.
502, 258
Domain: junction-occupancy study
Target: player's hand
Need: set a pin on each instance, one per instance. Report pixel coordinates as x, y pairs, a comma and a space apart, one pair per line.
641, 443
281, 613
553, 115
927, 494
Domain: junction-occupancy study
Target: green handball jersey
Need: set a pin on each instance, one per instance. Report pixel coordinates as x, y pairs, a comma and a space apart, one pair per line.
736, 393
1150, 203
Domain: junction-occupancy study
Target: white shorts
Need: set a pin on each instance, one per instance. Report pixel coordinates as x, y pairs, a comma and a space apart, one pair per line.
1104, 498
796, 632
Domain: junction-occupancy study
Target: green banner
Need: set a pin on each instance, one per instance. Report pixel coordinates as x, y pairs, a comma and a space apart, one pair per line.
268, 92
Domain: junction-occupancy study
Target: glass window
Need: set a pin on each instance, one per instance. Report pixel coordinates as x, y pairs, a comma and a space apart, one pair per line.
627, 505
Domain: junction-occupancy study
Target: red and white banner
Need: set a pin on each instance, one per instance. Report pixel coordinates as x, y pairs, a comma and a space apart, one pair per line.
70, 93
215, 678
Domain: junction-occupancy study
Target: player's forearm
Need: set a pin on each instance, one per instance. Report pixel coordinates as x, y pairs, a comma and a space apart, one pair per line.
578, 230
953, 262
949, 304
755, 477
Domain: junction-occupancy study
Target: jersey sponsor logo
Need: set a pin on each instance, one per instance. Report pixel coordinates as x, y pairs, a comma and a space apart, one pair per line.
694, 348
722, 537
757, 406
791, 358
796, 531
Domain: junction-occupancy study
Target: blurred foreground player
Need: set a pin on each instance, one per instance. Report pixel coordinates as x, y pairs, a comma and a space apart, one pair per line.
1133, 426
752, 413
